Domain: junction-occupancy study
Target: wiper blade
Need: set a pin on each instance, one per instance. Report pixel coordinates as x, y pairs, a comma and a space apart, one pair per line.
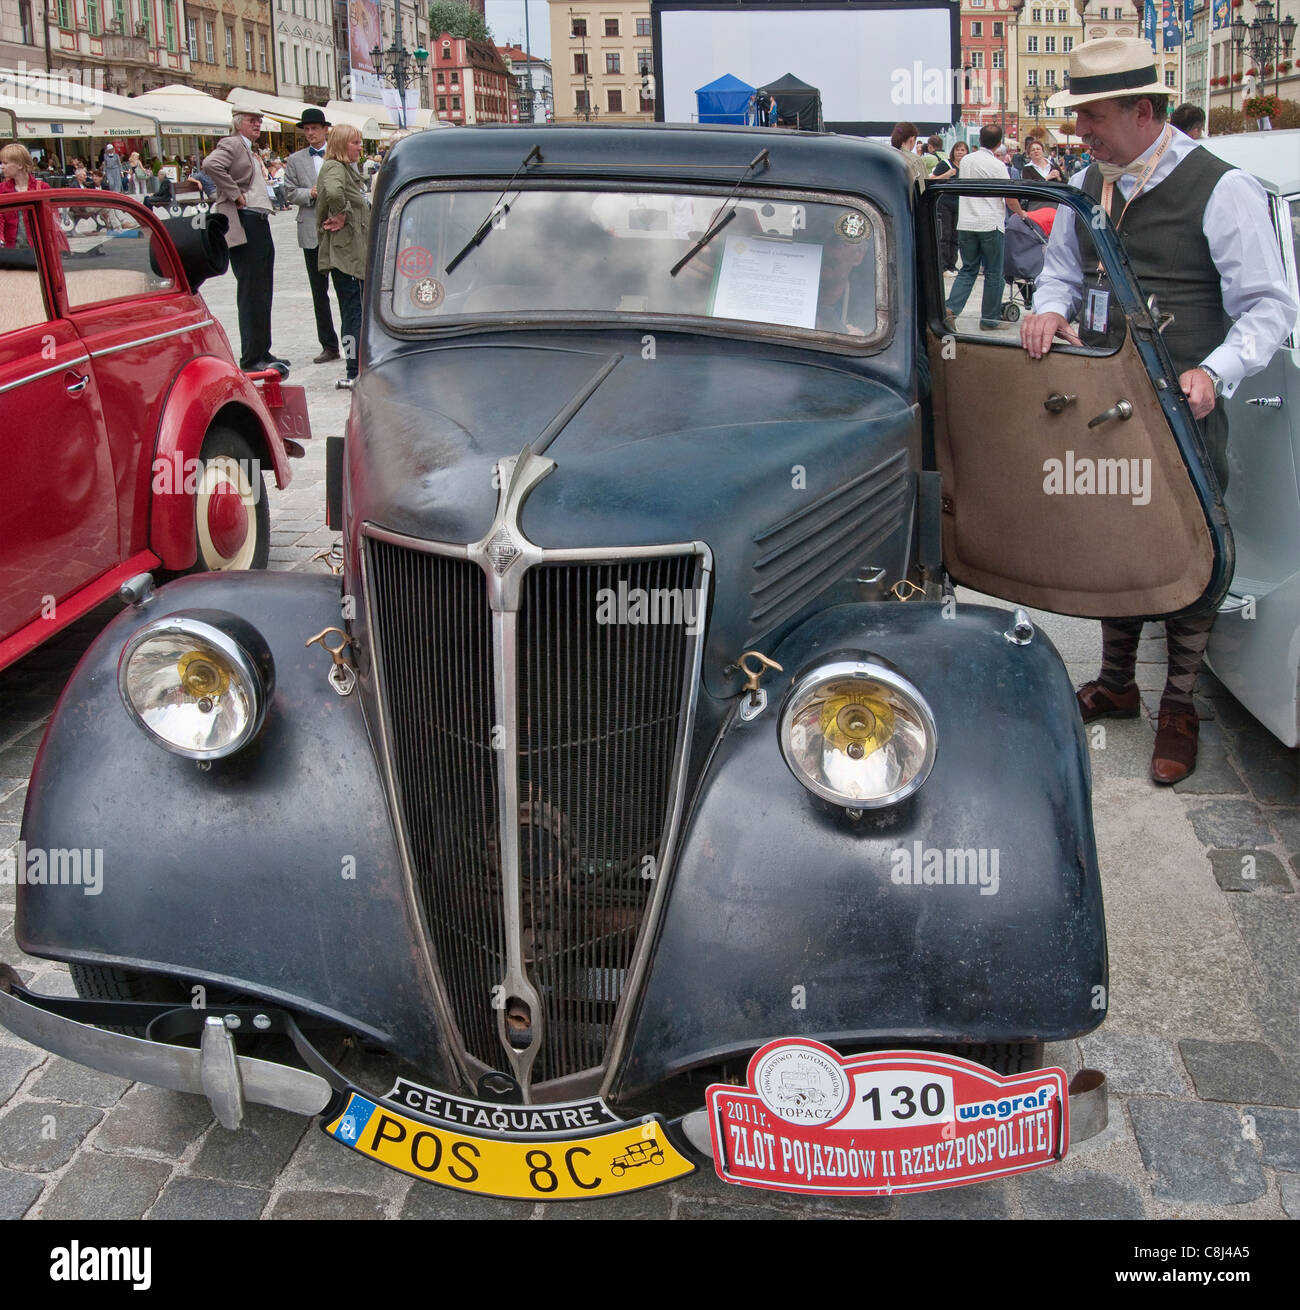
719, 223
498, 207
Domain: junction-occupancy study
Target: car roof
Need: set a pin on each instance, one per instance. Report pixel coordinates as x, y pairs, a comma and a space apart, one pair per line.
654, 152
1273, 157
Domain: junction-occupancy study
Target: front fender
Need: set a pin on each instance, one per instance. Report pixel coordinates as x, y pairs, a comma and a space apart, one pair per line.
206, 390
275, 872
787, 917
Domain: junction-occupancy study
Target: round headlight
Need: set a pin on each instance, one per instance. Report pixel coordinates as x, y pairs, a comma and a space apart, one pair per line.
198, 687
857, 733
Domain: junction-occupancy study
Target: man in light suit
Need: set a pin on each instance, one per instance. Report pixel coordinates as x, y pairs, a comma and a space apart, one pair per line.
242, 196
300, 189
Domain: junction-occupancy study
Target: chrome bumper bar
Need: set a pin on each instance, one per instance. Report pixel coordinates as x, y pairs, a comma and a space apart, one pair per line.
213, 1070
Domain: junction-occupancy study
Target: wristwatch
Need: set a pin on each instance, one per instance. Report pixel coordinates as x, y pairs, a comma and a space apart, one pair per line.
1215, 379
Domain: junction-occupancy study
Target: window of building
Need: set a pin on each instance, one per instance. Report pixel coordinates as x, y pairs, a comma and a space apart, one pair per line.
1105, 14
248, 51
1067, 44
615, 102
146, 18
977, 4
230, 46
1171, 75
320, 79
643, 27
455, 77
65, 14
1062, 15
977, 29
1049, 45
999, 59
25, 22
579, 27
613, 62
581, 102
455, 104
999, 30
977, 58
192, 37
611, 27
1031, 77
1049, 76
580, 64
297, 68
442, 104
119, 14
1036, 15
645, 61
1049, 16
209, 43
261, 52
92, 17
169, 24
646, 103
1031, 45
284, 62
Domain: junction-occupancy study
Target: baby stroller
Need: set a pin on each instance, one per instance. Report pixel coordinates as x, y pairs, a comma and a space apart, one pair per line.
1023, 248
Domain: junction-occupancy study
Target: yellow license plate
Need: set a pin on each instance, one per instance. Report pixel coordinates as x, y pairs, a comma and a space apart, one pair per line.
624, 1159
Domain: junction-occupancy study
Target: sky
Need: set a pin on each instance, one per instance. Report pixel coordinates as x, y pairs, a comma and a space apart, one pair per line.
506, 19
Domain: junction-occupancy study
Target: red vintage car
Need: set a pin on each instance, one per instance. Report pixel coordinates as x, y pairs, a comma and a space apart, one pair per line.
129, 438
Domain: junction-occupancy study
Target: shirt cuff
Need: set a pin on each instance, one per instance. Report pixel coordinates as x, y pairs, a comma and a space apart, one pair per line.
1228, 366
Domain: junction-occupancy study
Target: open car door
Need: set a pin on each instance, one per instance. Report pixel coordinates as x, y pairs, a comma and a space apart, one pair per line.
1078, 483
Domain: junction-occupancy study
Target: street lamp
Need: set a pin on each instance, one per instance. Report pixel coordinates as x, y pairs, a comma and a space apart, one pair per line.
1268, 41
395, 65
586, 72
1033, 102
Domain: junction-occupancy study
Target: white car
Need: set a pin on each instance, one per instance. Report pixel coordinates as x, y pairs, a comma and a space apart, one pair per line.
1255, 646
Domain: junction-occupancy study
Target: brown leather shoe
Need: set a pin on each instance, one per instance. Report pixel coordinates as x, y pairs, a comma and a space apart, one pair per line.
1175, 753
1097, 702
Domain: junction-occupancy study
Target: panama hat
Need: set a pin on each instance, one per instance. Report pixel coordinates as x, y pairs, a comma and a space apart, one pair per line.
1108, 67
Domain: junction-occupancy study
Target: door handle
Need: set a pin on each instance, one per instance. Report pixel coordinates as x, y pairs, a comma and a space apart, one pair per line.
1121, 409
75, 382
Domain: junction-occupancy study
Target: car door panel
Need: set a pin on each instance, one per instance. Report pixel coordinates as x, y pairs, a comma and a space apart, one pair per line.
1039, 509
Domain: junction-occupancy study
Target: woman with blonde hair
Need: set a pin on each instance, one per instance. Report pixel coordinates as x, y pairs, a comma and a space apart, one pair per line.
19, 176
343, 228
138, 175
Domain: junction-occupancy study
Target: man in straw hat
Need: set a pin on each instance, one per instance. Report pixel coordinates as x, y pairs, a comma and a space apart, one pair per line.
300, 173
1205, 247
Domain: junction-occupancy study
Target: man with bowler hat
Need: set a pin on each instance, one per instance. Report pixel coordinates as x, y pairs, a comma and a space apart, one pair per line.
300, 189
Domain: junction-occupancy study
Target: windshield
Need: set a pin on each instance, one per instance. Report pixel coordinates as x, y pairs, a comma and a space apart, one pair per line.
799, 266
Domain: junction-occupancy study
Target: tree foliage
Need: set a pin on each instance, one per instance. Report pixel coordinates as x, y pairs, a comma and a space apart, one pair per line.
457, 19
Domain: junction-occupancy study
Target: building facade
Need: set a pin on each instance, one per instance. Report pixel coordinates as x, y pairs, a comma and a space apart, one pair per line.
1045, 36
1126, 20
600, 53
304, 50
122, 46
469, 82
230, 44
988, 56
534, 85
1224, 77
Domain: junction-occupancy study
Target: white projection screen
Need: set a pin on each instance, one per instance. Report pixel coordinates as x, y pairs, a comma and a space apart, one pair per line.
875, 64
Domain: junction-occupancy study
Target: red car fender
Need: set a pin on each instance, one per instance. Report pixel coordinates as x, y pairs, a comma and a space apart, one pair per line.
207, 390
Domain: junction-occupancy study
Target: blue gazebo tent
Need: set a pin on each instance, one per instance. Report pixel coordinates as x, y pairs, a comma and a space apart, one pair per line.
723, 101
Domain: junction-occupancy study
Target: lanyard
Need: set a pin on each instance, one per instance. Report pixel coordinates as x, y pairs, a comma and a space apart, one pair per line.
1108, 188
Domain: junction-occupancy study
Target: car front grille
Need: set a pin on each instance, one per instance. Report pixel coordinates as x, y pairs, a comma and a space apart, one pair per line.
602, 697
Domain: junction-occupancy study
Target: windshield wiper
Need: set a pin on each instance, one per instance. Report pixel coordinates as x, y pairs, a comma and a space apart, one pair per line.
498, 207
722, 220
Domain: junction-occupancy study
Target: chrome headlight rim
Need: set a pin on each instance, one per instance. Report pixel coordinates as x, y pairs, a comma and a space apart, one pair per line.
215, 630
864, 667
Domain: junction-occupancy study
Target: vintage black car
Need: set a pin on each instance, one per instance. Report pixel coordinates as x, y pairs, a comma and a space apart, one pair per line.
649, 729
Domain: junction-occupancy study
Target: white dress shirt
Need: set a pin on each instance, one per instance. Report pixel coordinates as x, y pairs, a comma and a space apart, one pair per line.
1242, 245
982, 213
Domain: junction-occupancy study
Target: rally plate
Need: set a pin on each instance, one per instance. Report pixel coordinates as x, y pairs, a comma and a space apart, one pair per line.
813, 1121
534, 1167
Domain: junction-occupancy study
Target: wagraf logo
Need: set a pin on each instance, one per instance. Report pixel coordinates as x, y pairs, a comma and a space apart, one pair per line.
1007, 1106
678, 606
75, 1263
931, 866
1085, 476
56, 867
174, 475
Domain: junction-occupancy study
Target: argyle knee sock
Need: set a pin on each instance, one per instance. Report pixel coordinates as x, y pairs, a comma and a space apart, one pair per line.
1119, 647
1186, 638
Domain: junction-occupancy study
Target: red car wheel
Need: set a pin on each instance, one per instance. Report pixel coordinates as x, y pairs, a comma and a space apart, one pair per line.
232, 517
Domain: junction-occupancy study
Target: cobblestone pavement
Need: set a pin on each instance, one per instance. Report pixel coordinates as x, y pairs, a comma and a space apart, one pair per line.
1200, 1046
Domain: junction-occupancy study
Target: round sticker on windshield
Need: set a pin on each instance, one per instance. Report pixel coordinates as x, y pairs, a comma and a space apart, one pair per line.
415, 261
851, 226
427, 293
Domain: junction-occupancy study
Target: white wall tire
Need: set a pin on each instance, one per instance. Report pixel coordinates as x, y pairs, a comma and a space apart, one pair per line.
232, 518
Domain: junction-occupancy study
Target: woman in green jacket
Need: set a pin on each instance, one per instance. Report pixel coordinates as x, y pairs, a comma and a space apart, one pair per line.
343, 228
